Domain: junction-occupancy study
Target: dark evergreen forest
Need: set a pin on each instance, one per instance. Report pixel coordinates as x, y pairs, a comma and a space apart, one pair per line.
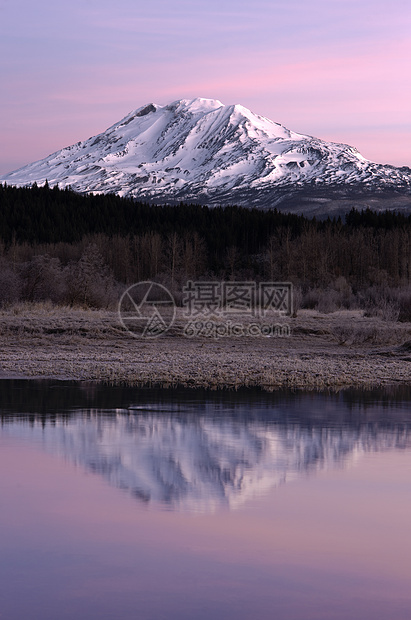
53, 242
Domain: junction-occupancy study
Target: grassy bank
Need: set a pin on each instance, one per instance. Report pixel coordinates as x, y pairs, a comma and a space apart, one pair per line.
324, 351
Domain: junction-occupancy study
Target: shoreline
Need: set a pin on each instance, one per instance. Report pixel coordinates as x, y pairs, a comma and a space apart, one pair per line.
324, 352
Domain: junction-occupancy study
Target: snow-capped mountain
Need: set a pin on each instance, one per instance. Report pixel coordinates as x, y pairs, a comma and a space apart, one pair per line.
199, 463
206, 152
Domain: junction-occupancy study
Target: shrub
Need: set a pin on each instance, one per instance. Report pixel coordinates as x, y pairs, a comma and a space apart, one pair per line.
10, 284
89, 281
43, 278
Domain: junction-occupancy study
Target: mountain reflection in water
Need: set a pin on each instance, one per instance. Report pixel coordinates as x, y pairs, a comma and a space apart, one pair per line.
197, 457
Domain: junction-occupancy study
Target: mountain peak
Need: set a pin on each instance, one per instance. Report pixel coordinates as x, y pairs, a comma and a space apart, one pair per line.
200, 104
200, 150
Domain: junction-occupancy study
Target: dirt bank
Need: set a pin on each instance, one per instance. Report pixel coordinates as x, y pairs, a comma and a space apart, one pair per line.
342, 349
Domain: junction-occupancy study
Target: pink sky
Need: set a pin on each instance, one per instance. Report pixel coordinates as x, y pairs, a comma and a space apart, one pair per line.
336, 69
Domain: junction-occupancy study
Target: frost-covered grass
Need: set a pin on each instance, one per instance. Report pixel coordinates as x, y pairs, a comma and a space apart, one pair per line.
335, 350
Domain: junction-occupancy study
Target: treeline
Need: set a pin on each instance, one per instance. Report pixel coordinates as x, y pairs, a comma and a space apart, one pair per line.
82, 249
51, 215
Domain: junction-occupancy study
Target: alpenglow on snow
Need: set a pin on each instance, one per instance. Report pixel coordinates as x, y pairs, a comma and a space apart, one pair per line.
205, 152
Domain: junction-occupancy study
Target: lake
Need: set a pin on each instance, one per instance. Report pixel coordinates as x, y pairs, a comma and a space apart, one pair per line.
120, 503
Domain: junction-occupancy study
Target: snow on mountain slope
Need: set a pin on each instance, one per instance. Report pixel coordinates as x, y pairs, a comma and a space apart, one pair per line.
204, 151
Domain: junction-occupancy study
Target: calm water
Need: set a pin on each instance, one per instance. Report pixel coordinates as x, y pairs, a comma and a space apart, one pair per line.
129, 504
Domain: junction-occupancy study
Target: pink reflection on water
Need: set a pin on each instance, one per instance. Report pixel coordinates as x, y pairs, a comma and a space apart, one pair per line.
336, 545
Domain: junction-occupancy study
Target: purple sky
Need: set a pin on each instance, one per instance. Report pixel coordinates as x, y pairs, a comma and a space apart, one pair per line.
336, 69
